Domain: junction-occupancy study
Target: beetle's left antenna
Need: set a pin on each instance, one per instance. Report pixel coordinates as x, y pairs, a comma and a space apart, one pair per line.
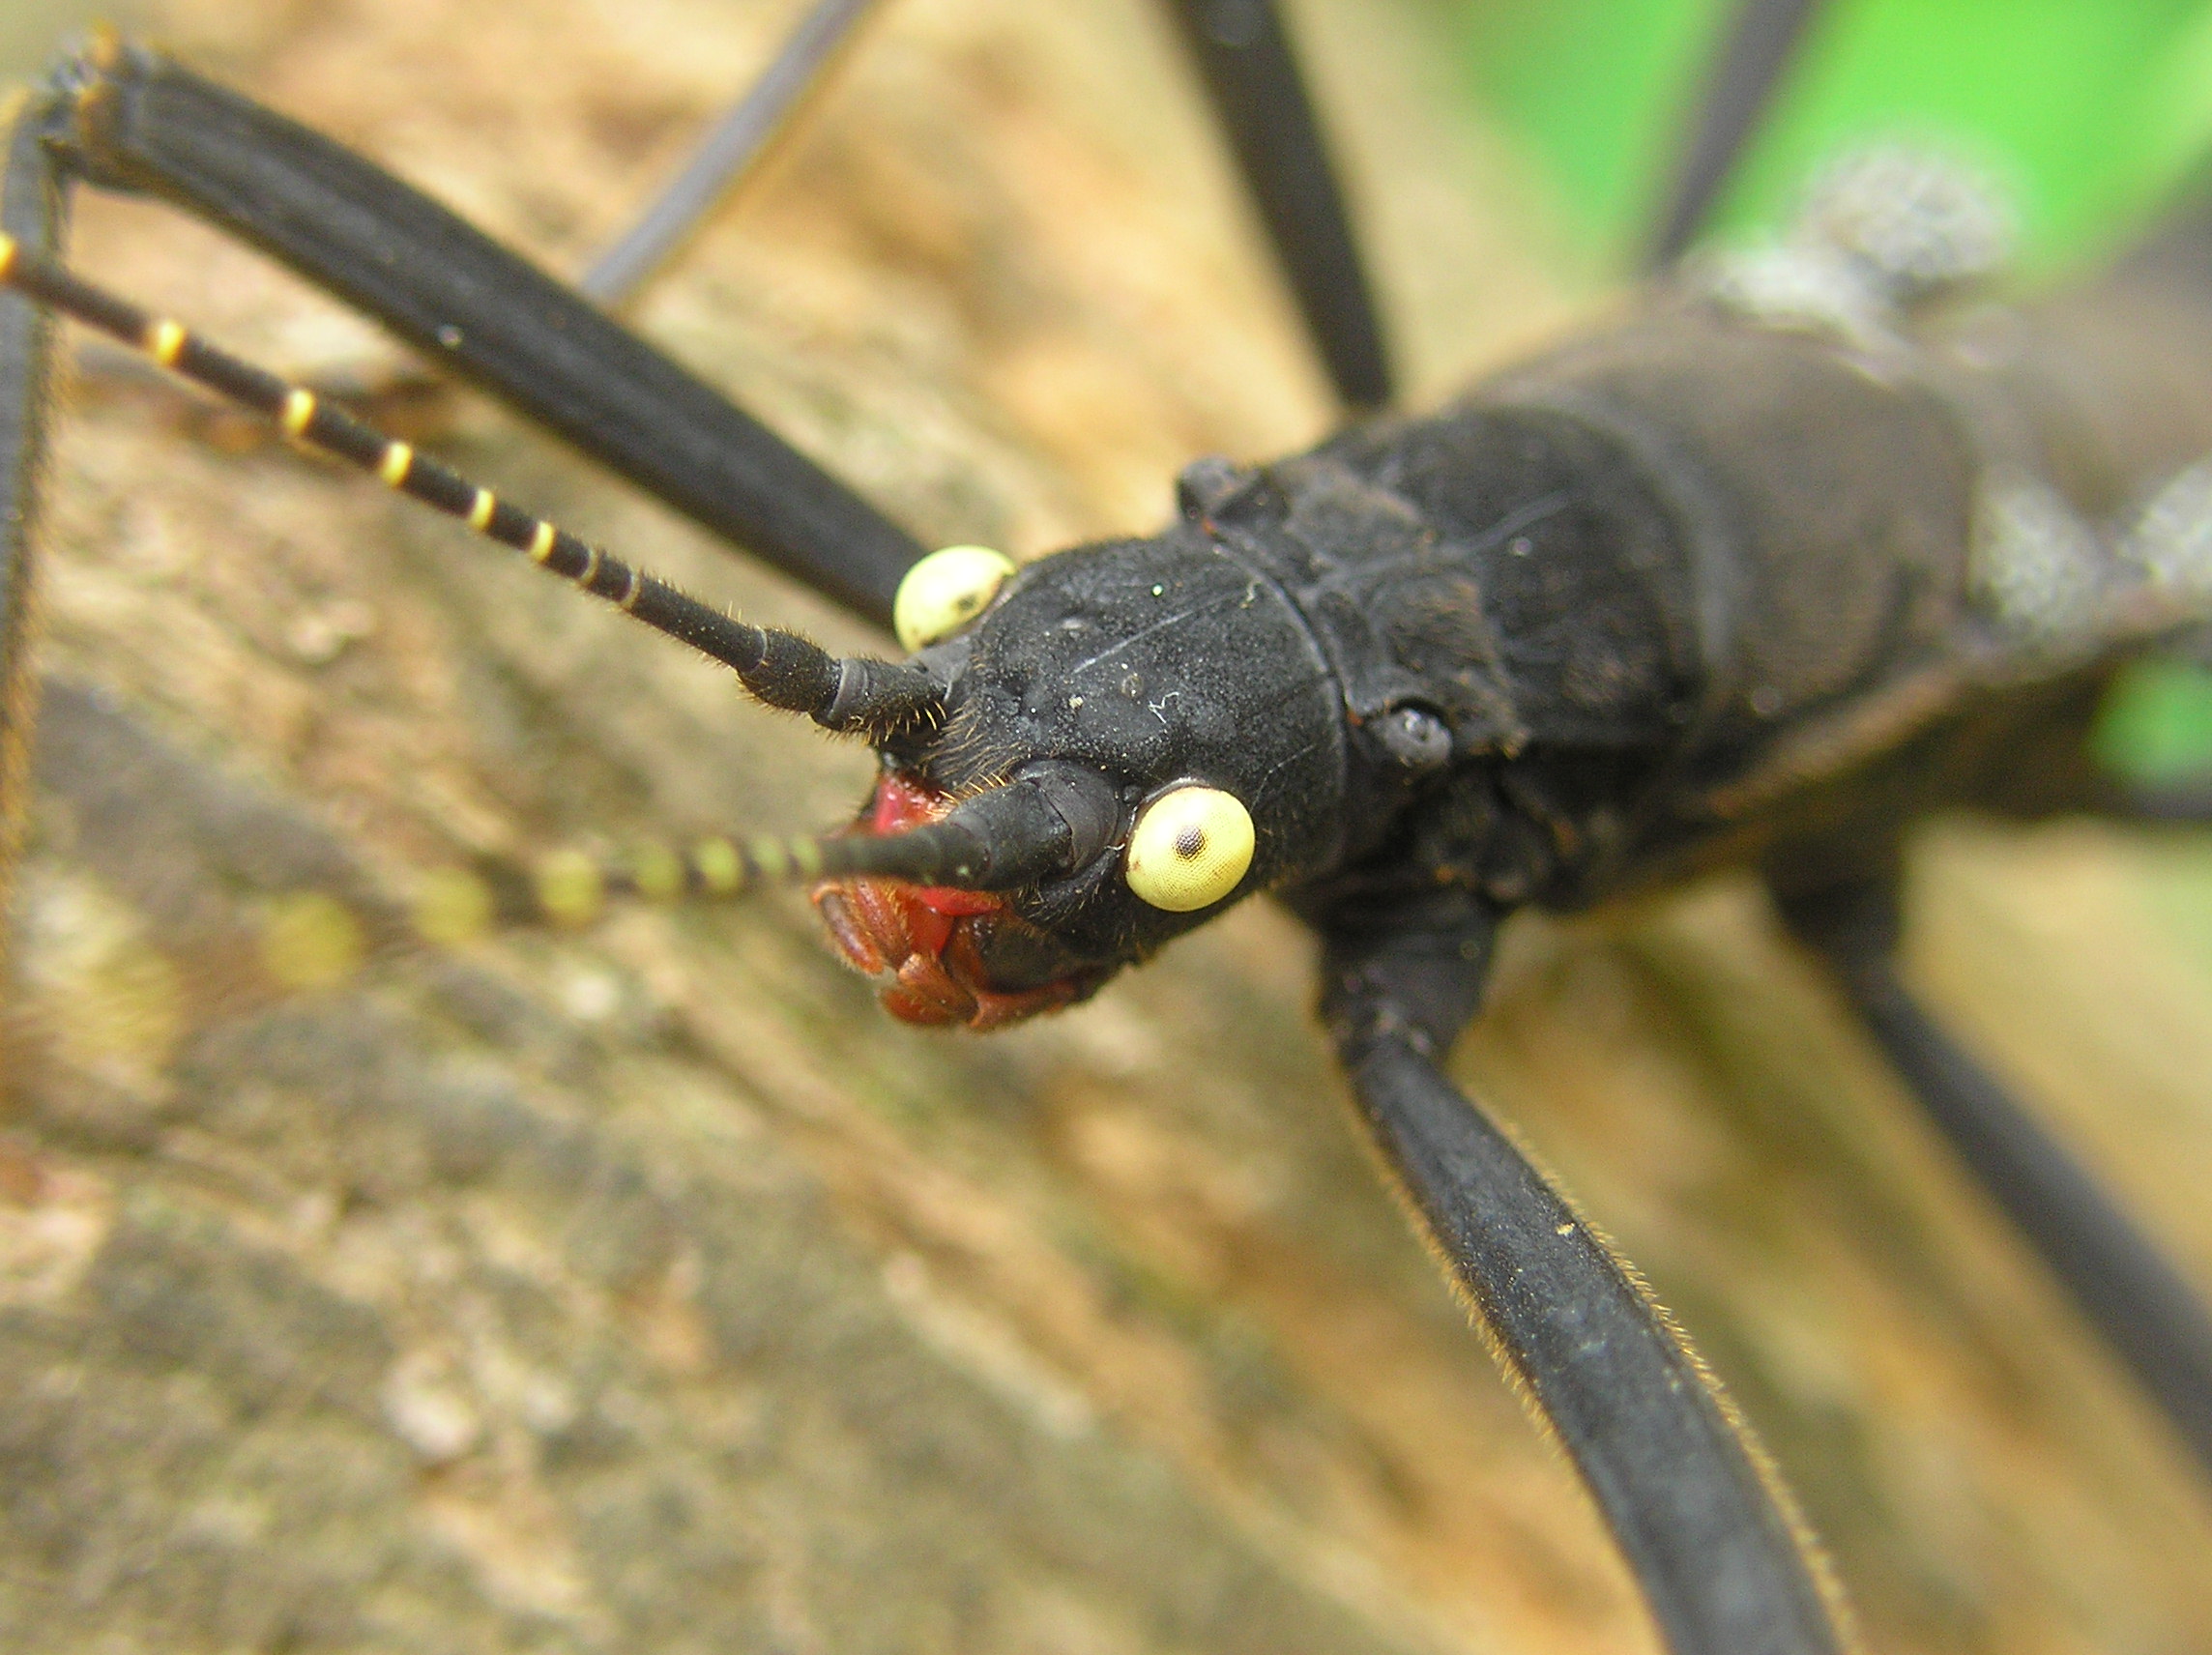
854, 694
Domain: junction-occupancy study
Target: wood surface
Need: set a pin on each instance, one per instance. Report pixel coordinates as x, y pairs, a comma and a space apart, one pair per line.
645, 1289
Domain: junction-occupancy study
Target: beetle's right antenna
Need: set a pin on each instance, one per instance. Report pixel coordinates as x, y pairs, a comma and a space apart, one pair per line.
854, 694
1049, 819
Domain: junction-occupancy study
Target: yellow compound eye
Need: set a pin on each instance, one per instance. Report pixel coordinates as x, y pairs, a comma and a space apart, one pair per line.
1189, 848
944, 592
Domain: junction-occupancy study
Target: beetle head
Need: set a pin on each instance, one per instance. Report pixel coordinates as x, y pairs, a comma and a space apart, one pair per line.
1133, 736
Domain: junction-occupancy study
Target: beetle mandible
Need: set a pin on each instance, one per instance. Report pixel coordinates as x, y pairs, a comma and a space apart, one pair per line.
919, 1258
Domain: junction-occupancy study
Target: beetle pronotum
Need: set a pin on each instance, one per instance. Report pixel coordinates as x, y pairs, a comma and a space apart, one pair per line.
1017, 1226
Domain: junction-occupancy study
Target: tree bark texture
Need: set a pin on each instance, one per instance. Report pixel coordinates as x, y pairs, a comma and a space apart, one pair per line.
643, 1288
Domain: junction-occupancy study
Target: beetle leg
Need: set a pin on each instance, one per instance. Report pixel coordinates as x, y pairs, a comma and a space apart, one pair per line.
34, 208
1723, 1558
730, 149
1739, 86
136, 121
2151, 1317
1244, 57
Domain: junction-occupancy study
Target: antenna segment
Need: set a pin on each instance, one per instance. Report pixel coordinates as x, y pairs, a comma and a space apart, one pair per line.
852, 694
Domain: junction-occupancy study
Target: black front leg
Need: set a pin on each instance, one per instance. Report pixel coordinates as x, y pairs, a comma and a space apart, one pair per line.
34, 210
1251, 74
132, 120
1754, 57
2122, 1284
1706, 1524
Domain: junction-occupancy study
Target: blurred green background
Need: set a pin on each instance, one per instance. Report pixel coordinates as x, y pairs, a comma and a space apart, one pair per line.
2090, 109
2092, 112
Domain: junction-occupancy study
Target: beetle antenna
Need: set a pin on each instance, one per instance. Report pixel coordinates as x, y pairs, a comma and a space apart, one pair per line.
854, 694
1049, 820
1046, 821
572, 888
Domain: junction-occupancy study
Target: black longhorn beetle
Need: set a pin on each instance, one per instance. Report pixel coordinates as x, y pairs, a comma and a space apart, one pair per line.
1788, 555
